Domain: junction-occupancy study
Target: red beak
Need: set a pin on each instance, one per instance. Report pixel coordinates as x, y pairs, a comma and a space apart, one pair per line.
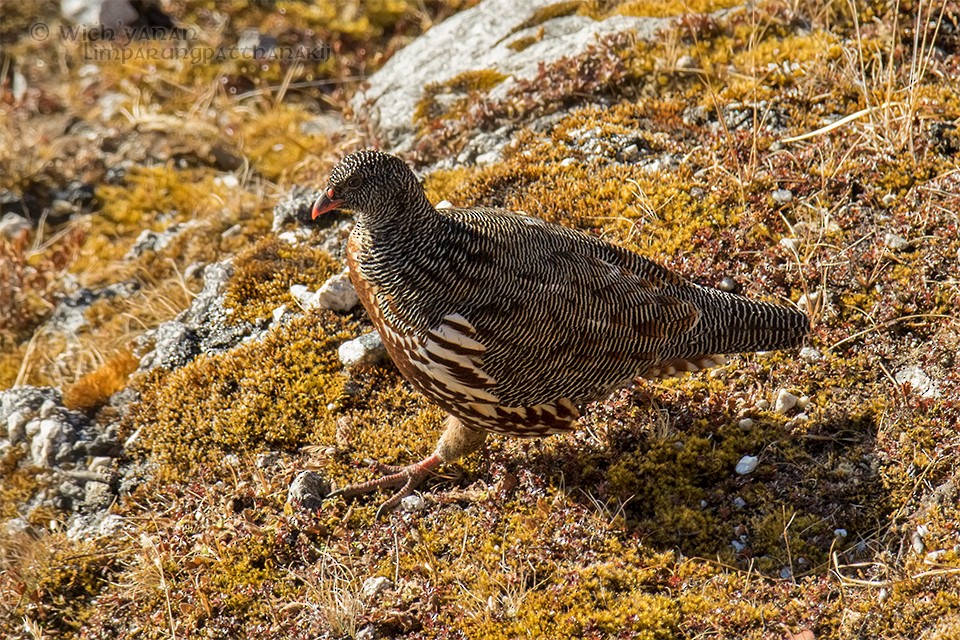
325, 204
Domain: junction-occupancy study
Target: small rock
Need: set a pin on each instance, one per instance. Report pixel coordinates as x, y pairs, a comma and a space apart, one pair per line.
279, 312
97, 496
373, 586
49, 434
919, 382
413, 503
16, 426
803, 402
235, 230
301, 294
110, 524
840, 533
790, 244
746, 423
737, 545
336, 294
16, 525
888, 199
308, 490
175, 345
729, 285
292, 238
367, 349
762, 404
265, 460
810, 302
155, 241
369, 632
917, 543
785, 401
100, 464
686, 62
487, 158
747, 464
934, 556
895, 243
810, 354
782, 196
228, 180
13, 225
738, 503
786, 573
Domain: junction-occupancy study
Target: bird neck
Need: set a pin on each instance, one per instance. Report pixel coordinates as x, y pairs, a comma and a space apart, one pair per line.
407, 212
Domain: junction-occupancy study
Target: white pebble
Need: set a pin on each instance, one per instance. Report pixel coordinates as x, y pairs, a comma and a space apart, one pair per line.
300, 293
444, 204
413, 503
840, 533
919, 382
803, 402
895, 242
367, 349
790, 244
809, 302
739, 503
786, 572
336, 294
785, 401
782, 196
746, 423
762, 404
373, 586
810, 354
737, 545
278, 312
747, 464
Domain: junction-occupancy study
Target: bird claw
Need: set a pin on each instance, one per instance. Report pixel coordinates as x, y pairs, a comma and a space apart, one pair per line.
406, 477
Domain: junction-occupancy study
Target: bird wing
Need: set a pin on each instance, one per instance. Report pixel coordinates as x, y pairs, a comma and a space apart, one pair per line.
560, 314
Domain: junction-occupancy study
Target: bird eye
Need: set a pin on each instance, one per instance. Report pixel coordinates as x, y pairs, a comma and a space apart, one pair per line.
353, 182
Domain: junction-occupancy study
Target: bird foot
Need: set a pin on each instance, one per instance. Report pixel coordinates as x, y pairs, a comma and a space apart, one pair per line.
406, 477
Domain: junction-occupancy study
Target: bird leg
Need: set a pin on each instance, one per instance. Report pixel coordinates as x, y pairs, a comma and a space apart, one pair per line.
456, 441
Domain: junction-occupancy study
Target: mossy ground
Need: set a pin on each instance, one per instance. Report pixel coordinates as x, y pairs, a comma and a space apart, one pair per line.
636, 525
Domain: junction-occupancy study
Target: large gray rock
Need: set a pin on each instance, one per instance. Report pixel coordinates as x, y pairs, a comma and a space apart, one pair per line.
204, 327
479, 39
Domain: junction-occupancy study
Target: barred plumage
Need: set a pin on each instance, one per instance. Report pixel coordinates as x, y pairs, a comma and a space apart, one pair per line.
510, 323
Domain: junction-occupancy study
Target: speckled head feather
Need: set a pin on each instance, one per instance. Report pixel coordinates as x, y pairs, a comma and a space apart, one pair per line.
373, 184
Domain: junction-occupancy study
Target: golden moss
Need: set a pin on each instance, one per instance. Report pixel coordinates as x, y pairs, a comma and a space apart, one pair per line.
95, 388
58, 579
465, 86
263, 275
268, 394
655, 9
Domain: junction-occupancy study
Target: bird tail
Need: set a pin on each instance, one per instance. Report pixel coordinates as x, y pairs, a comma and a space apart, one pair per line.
730, 323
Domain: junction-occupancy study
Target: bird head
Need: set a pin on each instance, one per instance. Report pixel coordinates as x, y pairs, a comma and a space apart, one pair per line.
368, 182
